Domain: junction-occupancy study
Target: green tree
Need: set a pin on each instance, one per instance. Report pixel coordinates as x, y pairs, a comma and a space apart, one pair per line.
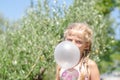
2, 20
106, 7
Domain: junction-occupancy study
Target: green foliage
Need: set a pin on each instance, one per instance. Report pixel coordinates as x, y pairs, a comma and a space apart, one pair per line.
105, 6
28, 47
25, 51
2, 21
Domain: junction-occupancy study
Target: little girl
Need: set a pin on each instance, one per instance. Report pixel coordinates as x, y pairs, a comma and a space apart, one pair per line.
81, 35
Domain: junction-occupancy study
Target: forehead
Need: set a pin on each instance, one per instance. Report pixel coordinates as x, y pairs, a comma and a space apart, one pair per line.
77, 33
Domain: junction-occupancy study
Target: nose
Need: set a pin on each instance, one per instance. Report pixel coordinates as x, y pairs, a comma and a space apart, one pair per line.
73, 41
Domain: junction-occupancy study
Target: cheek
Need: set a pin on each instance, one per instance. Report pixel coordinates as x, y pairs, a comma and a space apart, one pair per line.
81, 48
79, 45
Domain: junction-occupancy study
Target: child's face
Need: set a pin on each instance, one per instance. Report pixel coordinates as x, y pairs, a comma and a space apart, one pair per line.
77, 39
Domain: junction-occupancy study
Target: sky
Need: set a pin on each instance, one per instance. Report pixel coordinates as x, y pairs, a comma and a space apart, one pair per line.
115, 14
15, 9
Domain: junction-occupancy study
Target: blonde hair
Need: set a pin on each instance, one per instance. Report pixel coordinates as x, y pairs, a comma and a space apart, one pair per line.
81, 28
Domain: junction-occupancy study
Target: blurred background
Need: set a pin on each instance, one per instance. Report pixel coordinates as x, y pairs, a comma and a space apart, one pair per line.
30, 30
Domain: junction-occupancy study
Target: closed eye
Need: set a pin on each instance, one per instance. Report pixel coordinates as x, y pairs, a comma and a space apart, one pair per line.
79, 42
69, 39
